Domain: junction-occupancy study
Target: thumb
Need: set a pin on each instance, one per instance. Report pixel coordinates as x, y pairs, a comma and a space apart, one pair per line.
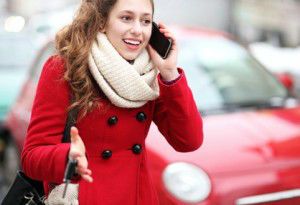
151, 51
74, 134
155, 57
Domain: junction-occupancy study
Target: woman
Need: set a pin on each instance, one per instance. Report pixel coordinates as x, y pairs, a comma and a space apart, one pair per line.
105, 62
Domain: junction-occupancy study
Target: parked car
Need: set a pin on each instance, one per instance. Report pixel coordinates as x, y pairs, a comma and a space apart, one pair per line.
17, 50
279, 61
20, 39
16, 53
19, 44
251, 145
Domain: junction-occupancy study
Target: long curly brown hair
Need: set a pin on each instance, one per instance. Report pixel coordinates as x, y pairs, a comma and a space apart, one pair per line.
73, 44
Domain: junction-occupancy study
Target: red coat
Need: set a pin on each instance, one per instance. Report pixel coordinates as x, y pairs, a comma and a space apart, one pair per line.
114, 139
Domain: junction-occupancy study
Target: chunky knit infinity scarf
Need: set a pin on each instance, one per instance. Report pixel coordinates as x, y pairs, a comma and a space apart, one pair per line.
126, 85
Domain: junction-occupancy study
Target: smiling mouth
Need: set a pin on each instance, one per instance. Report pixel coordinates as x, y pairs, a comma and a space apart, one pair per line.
132, 42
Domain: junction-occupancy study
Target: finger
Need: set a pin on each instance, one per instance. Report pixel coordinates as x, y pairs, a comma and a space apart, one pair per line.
168, 34
82, 171
88, 178
161, 25
76, 141
74, 133
76, 154
171, 36
163, 30
82, 163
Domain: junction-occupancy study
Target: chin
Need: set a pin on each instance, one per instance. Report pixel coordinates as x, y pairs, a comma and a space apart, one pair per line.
130, 57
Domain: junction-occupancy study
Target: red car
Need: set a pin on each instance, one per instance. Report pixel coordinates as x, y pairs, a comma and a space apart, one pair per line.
251, 149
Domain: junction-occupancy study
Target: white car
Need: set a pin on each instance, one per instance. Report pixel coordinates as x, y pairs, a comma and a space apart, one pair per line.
279, 61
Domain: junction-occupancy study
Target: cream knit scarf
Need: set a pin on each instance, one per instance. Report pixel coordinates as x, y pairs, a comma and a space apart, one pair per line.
126, 85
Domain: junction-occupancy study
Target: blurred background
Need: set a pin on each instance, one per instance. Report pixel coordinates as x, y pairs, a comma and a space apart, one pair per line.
268, 29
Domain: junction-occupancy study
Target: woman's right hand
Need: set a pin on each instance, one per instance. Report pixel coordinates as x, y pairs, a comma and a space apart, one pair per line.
77, 152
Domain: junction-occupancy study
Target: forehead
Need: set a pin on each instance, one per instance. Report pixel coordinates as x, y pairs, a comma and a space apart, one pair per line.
134, 6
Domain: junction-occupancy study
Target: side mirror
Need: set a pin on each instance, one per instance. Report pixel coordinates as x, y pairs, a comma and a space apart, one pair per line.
286, 79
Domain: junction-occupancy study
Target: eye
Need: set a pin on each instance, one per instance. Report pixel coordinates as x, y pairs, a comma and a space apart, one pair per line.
147, 22
126, 18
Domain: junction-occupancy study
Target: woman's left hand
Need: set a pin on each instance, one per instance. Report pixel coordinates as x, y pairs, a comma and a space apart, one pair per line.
168, 66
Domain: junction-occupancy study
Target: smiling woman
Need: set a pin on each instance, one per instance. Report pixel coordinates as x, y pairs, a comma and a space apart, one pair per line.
121, 21
129, 28
106, 71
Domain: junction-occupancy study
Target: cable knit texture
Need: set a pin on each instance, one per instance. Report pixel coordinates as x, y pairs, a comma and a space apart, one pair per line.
126, 85
55, 196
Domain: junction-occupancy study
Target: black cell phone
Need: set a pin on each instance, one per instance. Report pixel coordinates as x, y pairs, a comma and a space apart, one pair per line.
159, 42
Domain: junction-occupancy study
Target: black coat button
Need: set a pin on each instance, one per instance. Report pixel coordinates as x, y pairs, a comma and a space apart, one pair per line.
106, 154
141, 116
137, 148
112, 120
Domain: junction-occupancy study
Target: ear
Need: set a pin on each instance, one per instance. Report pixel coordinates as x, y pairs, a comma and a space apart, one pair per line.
102, 28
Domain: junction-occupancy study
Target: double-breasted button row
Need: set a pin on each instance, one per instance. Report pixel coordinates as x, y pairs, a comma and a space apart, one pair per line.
141, 116
113, 120
106, 154
136, 149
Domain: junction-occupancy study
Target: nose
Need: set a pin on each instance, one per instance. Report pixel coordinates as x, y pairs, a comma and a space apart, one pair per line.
136, 28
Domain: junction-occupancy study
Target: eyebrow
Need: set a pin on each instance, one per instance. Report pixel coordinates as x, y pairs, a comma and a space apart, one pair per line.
131, 12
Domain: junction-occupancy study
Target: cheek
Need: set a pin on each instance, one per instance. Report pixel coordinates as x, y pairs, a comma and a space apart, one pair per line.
114, 30
115, 38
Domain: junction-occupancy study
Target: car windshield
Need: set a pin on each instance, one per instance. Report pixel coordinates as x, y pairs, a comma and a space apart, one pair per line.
15, 52
223, 75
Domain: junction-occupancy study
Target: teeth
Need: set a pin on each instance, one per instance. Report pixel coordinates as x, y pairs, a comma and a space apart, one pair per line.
132, 42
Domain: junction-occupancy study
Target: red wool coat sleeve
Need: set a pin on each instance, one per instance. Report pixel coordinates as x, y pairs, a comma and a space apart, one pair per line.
176, 115
43, 152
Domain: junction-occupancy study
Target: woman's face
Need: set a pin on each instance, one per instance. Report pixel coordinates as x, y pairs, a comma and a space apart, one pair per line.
128, 27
